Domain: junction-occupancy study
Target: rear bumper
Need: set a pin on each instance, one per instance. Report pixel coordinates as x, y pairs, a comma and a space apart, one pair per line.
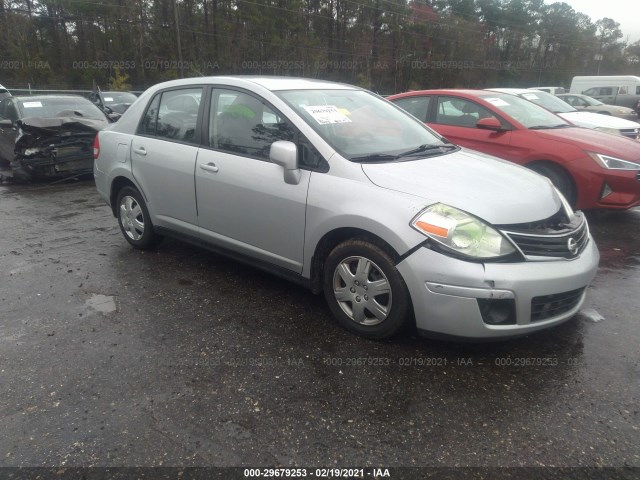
446, 291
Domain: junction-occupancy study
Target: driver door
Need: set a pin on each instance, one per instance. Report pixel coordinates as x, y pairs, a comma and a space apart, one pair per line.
243, 201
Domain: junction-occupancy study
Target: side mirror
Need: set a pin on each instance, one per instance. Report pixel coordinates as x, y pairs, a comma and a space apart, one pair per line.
285, 154
6, 123
490, 123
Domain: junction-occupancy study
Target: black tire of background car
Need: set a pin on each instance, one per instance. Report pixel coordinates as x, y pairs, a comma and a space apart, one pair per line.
560, 178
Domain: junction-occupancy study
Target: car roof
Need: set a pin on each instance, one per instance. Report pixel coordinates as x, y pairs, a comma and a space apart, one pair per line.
513, 91
447, 91
28, 98
272, 83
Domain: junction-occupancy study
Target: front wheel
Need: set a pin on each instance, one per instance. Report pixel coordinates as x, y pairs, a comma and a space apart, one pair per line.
364, 290
134, 221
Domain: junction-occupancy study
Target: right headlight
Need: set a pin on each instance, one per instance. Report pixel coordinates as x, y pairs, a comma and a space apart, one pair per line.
613, 163
461, 233
613, 131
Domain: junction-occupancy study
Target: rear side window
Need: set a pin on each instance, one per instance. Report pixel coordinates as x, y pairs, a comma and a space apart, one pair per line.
416, 106
173, 115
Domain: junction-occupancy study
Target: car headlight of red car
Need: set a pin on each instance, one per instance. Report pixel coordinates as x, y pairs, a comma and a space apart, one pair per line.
613, 163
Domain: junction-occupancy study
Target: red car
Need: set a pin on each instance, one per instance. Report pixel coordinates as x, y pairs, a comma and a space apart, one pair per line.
592, 169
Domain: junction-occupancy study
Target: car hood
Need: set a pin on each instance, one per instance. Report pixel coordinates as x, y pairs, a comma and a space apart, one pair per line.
496, 191
593, 120
594, 141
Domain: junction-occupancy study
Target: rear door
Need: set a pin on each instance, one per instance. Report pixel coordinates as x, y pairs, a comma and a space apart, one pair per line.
244, 203
163, 157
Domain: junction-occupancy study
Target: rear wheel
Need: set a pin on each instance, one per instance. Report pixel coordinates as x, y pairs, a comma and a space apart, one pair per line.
364, 290
560, 178
134, 221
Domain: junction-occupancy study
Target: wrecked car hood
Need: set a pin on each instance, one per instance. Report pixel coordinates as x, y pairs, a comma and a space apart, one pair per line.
55, 124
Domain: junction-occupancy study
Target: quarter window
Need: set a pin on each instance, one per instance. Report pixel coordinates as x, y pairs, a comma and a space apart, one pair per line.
150, 119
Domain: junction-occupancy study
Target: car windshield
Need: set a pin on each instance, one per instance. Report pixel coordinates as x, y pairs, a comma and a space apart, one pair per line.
548, 101
118, 97
527, 113
58, 107
362, 126
592, 101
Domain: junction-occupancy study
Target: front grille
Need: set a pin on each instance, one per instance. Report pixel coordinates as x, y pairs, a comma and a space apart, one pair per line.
566, 243
549, 306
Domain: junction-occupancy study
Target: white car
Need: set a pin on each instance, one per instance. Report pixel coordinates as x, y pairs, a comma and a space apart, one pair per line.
595, 121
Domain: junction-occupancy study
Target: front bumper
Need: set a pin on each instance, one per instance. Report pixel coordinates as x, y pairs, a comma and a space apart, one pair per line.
445, 291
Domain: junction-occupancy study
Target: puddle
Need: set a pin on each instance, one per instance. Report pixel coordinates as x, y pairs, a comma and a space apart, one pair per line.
590, 314
102, 303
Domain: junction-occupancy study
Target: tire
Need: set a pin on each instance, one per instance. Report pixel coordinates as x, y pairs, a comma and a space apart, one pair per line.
133, 218
353, 270
560, 178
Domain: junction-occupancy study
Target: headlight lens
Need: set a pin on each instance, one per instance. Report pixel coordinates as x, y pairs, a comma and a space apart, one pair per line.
612, 163
613, 131
461, 233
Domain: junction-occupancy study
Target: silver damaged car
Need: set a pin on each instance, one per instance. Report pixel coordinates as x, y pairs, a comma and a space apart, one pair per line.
335, 188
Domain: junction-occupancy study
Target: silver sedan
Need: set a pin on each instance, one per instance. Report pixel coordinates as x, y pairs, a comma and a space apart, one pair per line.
335, 188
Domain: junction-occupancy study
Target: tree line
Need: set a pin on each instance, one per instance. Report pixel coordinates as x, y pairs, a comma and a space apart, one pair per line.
385, 45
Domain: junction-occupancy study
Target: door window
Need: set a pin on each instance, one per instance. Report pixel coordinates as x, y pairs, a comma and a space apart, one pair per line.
178, 114
460, 112
239, 123
173, 115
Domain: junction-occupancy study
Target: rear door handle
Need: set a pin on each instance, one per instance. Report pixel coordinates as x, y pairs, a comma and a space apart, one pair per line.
140, 151
209, 167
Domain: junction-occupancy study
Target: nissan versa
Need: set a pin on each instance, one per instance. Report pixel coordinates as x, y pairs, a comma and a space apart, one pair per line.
340, 190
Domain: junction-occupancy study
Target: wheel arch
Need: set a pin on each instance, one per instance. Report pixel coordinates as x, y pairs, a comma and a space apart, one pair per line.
556, 166
118, 184
335, 237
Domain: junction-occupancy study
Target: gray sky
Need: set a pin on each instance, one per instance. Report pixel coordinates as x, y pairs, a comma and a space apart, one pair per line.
625, 12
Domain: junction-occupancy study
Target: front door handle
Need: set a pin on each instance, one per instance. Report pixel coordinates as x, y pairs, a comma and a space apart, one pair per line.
209, 167
140, 151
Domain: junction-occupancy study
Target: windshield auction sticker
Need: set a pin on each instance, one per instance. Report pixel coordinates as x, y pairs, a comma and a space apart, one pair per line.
327, 114
31, 104
530, 96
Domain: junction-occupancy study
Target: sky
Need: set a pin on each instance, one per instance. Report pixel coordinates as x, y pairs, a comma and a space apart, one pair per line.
625, 12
